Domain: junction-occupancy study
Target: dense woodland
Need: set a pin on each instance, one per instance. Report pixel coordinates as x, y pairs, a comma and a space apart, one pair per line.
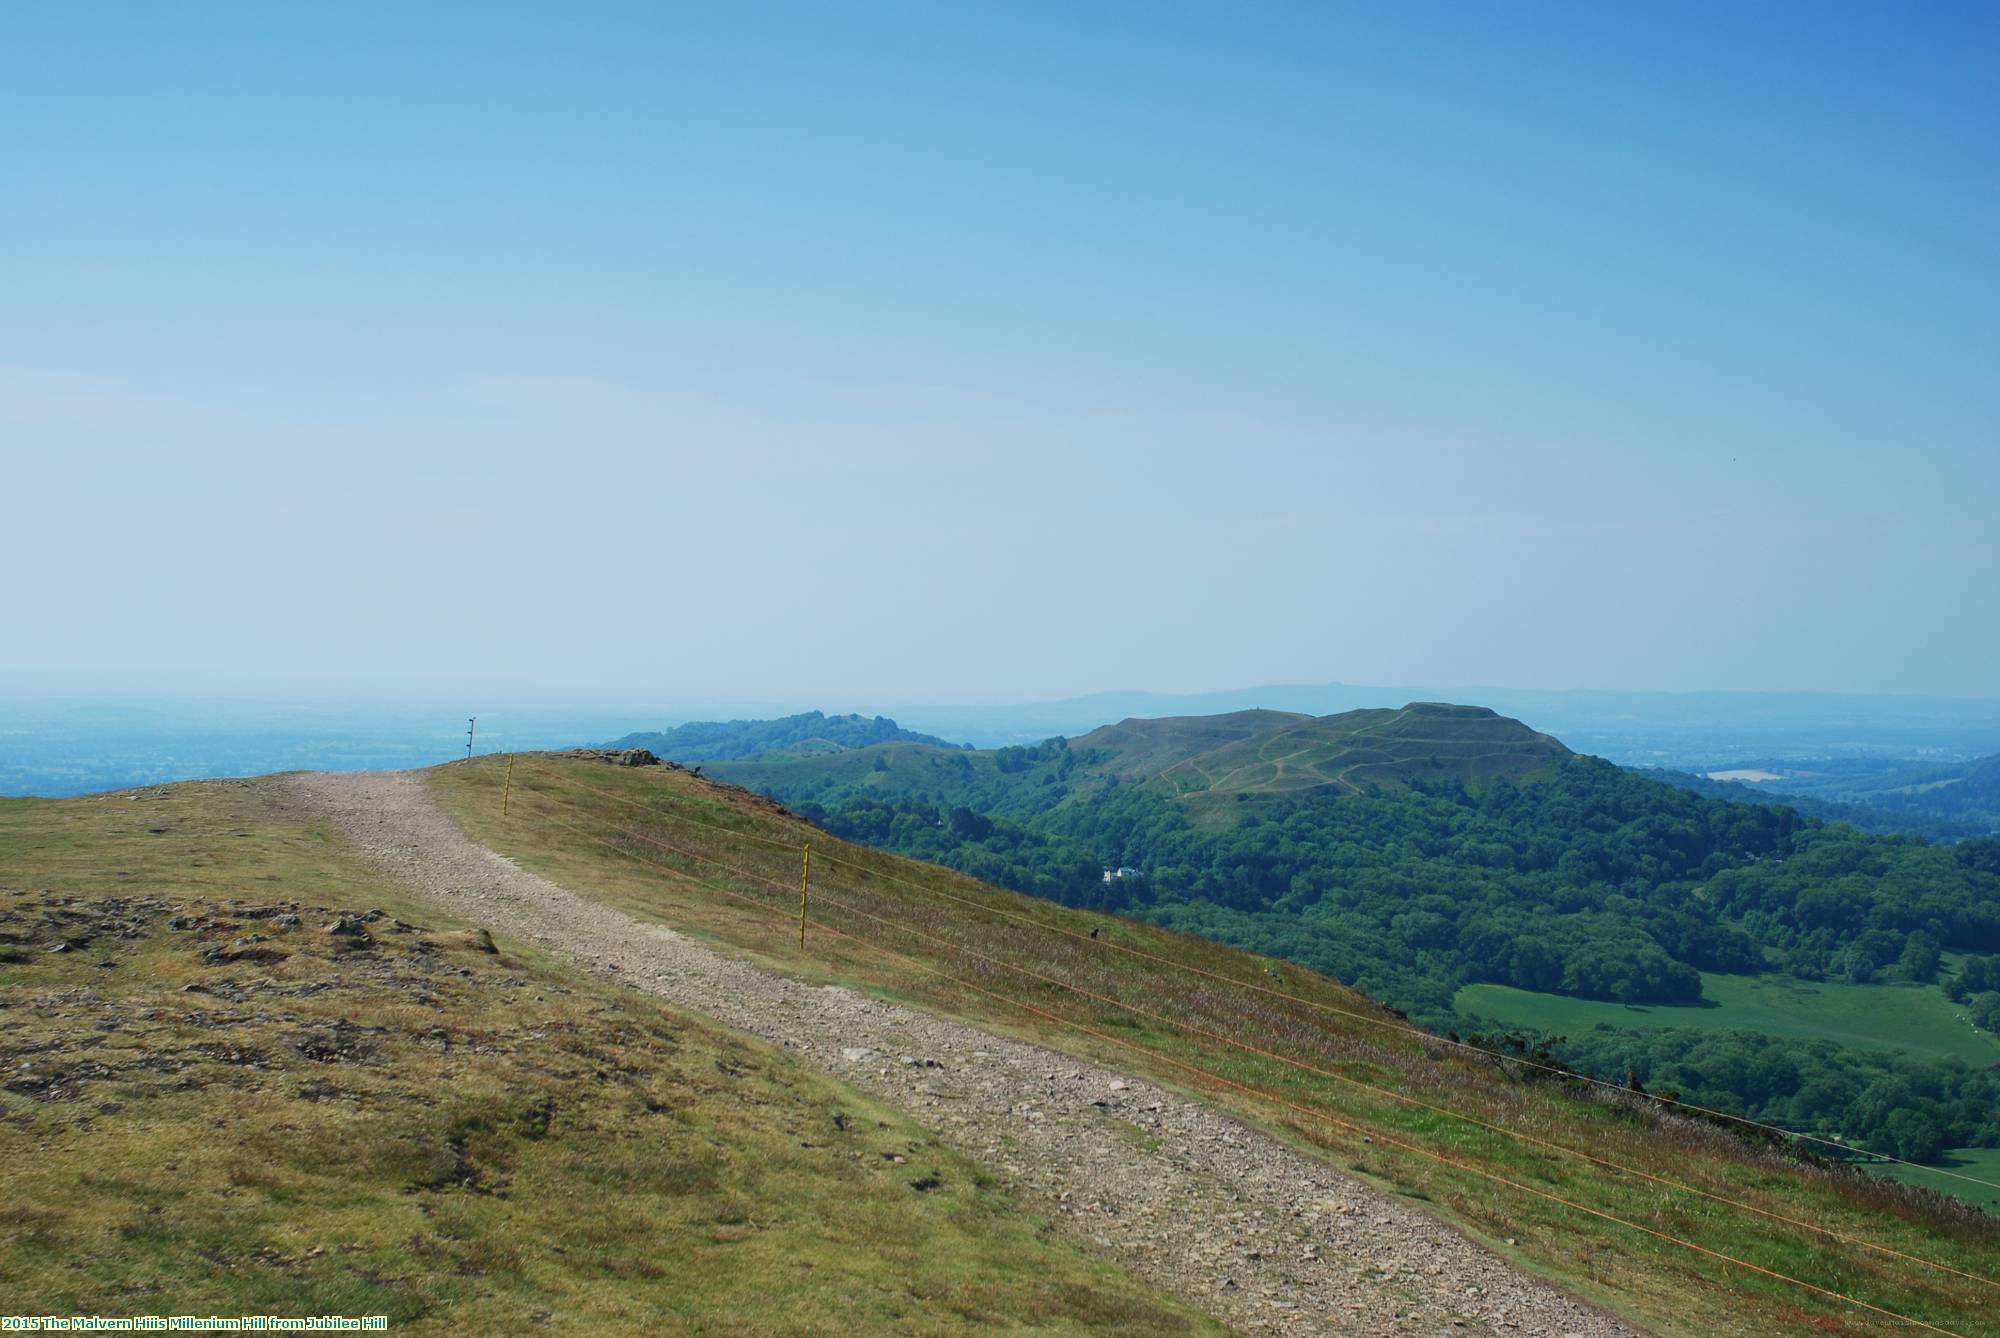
1903, 1107
1594, 882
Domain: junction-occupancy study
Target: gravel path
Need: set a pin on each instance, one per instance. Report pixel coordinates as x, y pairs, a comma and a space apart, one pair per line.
1264, 1237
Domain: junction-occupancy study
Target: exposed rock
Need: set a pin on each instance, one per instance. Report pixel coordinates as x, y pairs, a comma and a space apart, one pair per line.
617, 757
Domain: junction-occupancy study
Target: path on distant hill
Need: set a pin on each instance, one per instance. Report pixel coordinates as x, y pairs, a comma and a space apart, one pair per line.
1260, 1235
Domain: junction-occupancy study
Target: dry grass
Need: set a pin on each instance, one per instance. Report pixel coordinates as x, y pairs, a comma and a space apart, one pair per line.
206, 1107
608, 832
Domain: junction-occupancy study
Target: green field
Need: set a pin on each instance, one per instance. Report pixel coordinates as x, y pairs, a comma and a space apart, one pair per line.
1980, 1163
1917, 1019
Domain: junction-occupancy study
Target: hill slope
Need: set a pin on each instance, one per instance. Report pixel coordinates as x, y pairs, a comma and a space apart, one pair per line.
212, 1104
1089, 1152
1351, 753
1421, 851
1282, 1045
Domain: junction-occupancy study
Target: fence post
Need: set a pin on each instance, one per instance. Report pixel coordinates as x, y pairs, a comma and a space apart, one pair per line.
805, 892
507, 790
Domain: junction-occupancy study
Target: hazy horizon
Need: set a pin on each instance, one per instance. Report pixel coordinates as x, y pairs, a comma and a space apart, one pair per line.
81, 745
719, 708
901, 353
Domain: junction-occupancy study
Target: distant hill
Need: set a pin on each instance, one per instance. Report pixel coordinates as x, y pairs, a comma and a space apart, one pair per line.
1269, 753
813, 732
1245, 757
1689, 731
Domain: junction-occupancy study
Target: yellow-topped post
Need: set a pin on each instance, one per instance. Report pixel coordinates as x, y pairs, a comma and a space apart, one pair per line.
805, 892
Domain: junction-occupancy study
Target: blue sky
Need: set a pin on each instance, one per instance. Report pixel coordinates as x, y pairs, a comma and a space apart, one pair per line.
955, 353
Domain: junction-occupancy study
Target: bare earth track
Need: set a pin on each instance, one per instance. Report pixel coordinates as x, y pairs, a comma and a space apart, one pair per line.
1252, 1231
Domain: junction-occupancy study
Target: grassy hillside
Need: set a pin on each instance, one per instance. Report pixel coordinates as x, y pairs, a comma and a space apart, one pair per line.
1983, 1164
1916, 1019
212, 1104
1141, 749
1363, 750
1606, 1192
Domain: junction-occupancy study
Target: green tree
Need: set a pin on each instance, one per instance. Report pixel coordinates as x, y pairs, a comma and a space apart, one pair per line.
1920, 958
1985, 1010
1914, 1134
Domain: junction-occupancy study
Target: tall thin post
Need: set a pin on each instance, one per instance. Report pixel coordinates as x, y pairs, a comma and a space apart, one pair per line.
805, 892
507, 789
470, 721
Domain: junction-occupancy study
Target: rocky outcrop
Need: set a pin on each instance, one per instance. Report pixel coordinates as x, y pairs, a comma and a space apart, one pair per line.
621, 757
